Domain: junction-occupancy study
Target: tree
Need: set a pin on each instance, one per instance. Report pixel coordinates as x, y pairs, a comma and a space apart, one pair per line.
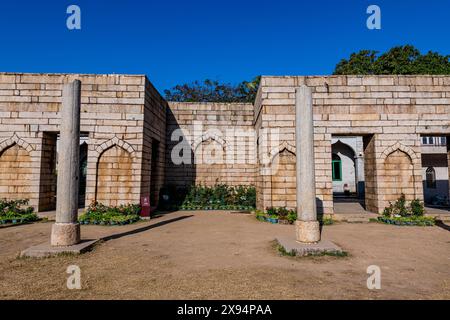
398, 60
214, 91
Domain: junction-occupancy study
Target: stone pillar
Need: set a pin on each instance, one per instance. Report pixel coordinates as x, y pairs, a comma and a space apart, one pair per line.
66, 230
307, 226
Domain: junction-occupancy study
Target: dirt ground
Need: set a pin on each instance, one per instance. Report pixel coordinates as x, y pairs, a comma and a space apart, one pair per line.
219, 255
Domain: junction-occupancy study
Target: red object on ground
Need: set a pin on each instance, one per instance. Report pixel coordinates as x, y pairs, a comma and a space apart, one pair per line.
145, 207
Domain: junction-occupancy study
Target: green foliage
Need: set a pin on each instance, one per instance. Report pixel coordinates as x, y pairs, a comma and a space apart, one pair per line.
16, 211
398, 60
292, 217
98, 213
327, 221
282, 250
400, 208
282, 213
214, 91
260, 215
417, 208
220, 197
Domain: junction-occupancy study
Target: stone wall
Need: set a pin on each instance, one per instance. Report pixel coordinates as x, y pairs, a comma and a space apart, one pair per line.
204, 130
130, 129
113, 112
283, 181
391, 112
15, 172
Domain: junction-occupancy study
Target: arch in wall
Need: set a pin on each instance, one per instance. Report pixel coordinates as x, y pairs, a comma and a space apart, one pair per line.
398, 146
208, 136
343, 168
430, 177
15, 170
14, 139
283, 179
281, 148
209, 171
115, 141
114, 173
342, 145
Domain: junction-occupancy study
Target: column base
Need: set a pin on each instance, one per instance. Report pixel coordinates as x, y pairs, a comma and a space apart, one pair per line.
307, 231
65, 234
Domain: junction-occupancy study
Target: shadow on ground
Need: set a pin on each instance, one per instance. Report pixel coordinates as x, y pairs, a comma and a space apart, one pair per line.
135, 231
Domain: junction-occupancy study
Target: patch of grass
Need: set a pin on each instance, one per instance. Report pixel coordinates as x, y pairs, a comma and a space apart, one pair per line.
56, 255
327, 221
330, 253
284, 252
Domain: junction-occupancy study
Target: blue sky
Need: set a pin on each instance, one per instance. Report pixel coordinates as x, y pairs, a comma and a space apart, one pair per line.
180, 41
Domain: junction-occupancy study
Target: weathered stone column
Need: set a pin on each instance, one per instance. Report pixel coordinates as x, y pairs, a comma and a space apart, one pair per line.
307, 226
66, 230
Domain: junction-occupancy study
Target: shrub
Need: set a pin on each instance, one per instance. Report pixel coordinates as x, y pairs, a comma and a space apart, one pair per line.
292, 216
11, 210
220, 197
400, 208
417, 208
282, 213
399, 213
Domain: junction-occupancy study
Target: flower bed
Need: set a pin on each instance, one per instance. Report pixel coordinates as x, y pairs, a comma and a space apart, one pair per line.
99, 214
220, 197
16, 212
277, 215
402, 214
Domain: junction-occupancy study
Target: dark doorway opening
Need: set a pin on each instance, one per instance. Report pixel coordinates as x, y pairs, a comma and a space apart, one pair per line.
154, 174
82, 175
435, 153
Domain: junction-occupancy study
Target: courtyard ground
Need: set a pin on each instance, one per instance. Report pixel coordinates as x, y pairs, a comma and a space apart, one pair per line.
222, 255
